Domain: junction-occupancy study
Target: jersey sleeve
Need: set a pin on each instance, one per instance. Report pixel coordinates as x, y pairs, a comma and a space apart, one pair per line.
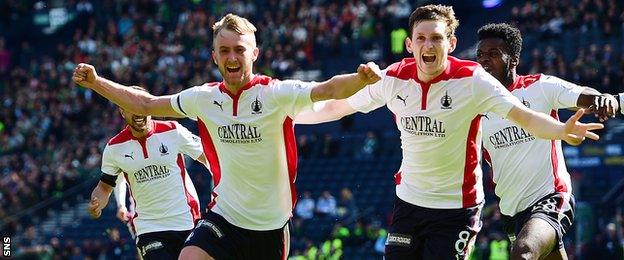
108, 162
120, 191
293, 95
490, 95
185, 102
371, 97
189, 143
560, 93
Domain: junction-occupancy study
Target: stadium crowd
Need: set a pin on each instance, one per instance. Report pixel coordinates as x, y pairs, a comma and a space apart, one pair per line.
51, 132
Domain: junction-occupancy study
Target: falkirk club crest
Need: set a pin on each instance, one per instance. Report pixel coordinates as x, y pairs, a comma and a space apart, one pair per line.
446, 101
256, 107
163, 149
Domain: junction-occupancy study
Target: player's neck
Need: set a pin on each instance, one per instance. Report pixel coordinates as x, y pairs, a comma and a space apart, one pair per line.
509, 79
141, 134
426, 78
235, 88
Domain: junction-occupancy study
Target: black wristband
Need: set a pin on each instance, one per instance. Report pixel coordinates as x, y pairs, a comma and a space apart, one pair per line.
108, 179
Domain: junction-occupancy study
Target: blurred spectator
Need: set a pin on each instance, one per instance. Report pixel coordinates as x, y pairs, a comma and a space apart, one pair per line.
499, 247
481, 249
346, 208
305, 206
304, 146
370, 146
329, 146
116, 245
605, 245
326, 205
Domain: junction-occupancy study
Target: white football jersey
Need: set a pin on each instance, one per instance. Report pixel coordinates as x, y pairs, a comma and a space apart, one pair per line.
153, 166
527, 168
440, 126
250, 144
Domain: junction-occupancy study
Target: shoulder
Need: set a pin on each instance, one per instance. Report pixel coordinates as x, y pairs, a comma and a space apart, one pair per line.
206, 88
462, 68
529, 81
164, 126
404, 69
122, 137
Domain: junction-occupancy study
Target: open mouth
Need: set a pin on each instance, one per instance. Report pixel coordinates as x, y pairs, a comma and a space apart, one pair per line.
139, 120
233, 69
428, 58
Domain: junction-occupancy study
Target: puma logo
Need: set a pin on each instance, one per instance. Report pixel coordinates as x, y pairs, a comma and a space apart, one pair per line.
129, 155
220, 105
402, 99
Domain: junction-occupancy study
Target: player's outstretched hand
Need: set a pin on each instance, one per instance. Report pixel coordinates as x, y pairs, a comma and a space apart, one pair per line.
605, 106
122, 214
576, 132
85, 75
94, 208
369, 73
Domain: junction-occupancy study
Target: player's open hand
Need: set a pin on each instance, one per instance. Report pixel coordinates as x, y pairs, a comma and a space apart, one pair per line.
85, 75
369, 73
576, 132
605, 106
94, 208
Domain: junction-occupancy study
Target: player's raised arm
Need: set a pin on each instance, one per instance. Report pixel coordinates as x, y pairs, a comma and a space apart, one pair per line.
543, 126
603, 105
343, 86
331, 110
135, 101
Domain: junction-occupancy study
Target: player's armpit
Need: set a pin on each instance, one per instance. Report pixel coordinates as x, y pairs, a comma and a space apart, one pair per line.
202, 159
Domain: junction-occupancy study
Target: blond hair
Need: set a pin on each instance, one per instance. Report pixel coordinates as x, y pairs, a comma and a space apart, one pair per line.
233, 23
435, 13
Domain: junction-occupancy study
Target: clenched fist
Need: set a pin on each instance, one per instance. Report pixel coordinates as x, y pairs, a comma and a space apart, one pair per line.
122, 214
369, 73
85, 75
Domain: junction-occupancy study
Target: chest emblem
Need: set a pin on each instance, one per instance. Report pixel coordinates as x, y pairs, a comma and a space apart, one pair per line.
163, 149
446, 101
256, 107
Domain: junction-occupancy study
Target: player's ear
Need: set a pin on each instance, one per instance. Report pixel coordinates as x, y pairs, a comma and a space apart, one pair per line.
452, 43
214, 58
408, 44
515, 60
256, 52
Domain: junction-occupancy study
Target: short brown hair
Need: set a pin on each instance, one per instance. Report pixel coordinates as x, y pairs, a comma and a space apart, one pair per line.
434, 13
234, 23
